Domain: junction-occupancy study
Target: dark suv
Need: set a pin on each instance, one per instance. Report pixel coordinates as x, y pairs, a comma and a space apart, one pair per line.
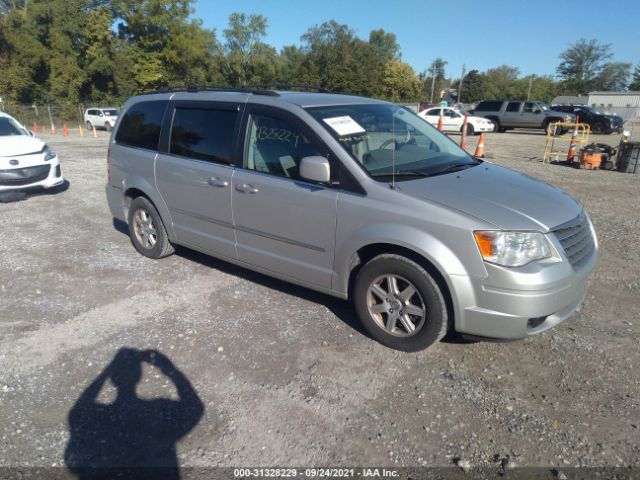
599, 122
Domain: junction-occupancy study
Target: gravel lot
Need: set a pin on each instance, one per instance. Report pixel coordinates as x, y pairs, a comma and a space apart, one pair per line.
284, 376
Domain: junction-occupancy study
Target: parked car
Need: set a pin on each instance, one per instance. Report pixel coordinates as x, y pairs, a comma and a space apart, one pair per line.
598, 122
507, 115
101, 118
354, 197
453, 120
25, 161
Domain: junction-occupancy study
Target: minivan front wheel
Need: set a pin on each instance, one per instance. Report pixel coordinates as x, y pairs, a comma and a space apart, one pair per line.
147, 231
399, 303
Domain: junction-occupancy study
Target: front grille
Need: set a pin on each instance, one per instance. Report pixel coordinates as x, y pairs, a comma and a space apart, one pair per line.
576, 239
23, 176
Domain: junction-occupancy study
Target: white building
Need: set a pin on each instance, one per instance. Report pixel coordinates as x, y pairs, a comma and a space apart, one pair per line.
625, 104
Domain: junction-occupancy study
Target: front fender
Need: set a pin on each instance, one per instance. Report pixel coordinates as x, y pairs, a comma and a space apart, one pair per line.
411, 238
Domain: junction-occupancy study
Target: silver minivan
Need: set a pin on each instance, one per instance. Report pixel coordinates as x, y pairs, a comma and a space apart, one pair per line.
354, 197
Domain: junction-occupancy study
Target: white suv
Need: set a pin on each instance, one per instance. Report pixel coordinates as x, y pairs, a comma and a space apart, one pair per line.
101, 118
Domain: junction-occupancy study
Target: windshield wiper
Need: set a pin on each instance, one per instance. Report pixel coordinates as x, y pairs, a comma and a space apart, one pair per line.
453, 166
401, 173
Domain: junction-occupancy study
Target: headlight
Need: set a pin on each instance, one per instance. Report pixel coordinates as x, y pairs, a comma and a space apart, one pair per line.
48, 154
512, 249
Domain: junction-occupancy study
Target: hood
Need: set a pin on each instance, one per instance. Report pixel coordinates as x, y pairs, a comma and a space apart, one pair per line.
616, 118
560, 114
507, 199
15, 145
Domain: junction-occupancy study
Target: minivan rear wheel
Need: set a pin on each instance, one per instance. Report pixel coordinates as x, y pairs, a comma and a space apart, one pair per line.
147, 231
399, 303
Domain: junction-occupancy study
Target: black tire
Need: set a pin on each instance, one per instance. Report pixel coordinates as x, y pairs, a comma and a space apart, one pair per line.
434, 326
496, 125
107, 127
89, 125
550, 129
162, 247
470, 129
598, 127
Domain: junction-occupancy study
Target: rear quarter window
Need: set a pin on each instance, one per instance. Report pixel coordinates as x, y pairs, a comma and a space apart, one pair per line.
140, 127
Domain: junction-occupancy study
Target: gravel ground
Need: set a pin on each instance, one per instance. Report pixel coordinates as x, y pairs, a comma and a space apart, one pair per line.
272, 374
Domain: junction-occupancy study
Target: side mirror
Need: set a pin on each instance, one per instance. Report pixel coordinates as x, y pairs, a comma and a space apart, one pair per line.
31, 133
316, 169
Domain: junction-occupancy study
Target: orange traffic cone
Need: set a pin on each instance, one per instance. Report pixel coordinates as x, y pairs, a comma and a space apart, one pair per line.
95, 133
480, 148
463, 137
65, 130
571, 154
81, 131
440, 127
53, 129
35, 128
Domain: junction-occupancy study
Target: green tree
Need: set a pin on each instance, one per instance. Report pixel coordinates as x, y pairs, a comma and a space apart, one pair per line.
635, 82
474, 87
400, 82
385, 45
248, 58
501, 83
613, 76
163, 45
581, 64
291, 60
434, 76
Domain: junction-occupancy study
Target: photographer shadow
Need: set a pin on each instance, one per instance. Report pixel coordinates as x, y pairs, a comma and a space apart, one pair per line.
131, 437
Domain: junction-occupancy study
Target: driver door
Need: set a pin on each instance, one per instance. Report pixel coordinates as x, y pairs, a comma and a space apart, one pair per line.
284, 224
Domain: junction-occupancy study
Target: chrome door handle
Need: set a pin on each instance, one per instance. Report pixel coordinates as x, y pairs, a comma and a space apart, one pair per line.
217, 182
246, 188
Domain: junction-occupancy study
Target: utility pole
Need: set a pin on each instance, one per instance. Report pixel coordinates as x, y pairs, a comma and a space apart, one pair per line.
460, 84
433, 81
529, 91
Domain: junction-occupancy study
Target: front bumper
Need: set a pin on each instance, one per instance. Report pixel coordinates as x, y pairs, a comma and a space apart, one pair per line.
511, 304
52, 179
483, 128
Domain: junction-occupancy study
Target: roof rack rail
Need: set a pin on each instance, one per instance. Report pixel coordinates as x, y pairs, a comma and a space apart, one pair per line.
291, 86
209, 88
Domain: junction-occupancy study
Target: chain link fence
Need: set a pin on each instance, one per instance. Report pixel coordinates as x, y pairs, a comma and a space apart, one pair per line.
43, 116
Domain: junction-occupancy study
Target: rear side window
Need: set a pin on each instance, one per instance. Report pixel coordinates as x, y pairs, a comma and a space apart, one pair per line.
141, 124
203, 134
513, 107
489, 106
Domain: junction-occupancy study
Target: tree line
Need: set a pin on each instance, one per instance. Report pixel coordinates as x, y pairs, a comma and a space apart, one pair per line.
98, 51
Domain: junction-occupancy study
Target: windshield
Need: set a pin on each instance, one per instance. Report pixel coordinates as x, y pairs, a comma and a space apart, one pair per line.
9, 127
111, 112
387, 139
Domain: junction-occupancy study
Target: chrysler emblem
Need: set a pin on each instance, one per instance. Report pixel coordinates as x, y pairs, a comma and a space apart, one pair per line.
13, 162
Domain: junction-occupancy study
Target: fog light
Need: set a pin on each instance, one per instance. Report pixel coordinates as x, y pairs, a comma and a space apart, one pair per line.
534, 322
58, 171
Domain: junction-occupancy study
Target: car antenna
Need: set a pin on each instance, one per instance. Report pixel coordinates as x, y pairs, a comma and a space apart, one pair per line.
393, 144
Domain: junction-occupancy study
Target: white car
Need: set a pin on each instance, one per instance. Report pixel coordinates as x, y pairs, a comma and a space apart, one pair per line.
101, 118
452, 120
25, 161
